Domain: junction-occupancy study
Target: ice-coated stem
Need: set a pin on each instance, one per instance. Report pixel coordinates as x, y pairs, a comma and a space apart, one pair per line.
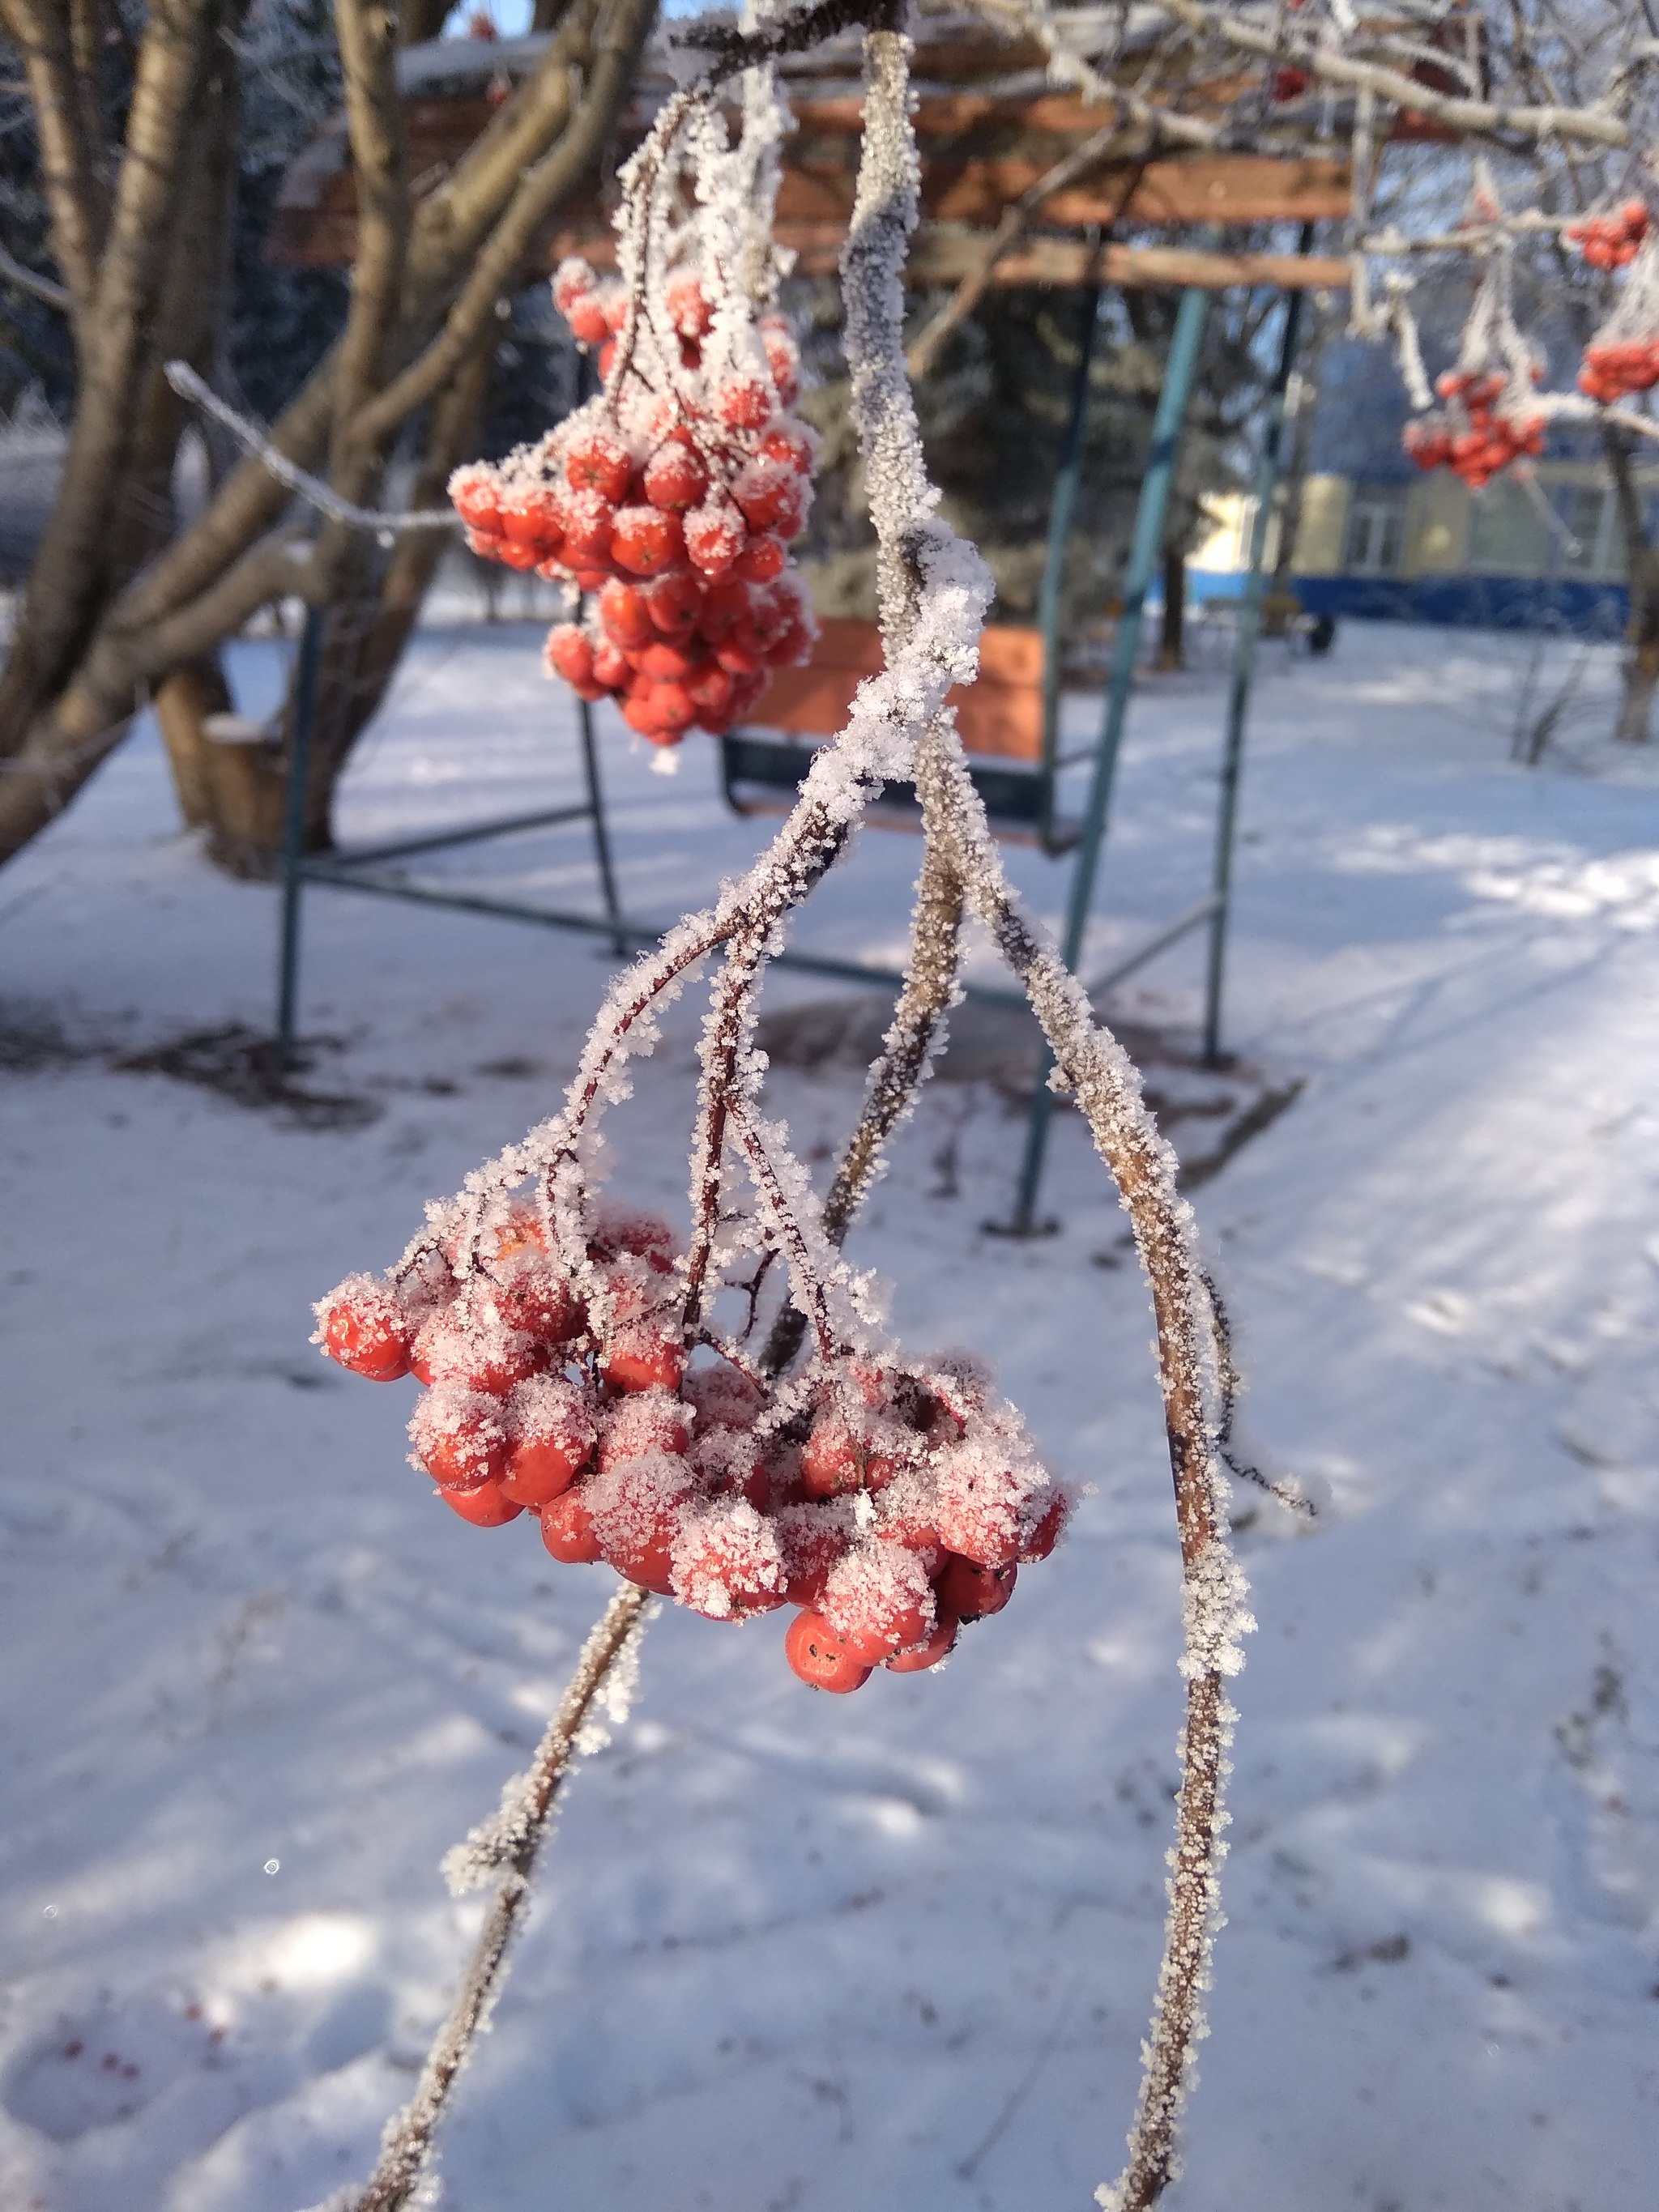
406, 2148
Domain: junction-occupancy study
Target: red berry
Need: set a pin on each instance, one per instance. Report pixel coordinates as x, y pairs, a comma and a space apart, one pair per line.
761, 560
744, 403
715, 534
644, 1355
550, 1428
1049, 1529
532, 1298
726, 1562
653, 1420
623, 615
474, 492
877, 1601
790, 442
597, 460
638, 1510
573, 279
568, 1530
588, 321
569, 652
820, 1658
470, 1344
689, 309
709, 690
676, 479
974, 1593
644, 540
459, 1437
939, 1646
665, 660
611, 667
362, 1326
815, 1538
589, 522
674, 603
489, 1506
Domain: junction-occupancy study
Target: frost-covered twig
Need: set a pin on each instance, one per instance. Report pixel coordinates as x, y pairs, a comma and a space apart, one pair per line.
507, 1843
315, 493
1094, 1068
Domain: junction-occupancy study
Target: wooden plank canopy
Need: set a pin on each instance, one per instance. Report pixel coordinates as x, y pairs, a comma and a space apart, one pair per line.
990, 125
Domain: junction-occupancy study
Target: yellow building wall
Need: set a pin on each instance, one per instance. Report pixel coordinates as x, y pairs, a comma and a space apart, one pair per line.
1436, 536
1321, 534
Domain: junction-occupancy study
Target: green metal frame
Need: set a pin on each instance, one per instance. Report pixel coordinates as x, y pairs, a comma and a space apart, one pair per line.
365, 868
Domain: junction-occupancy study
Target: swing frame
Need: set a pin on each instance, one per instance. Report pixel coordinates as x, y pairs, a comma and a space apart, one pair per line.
374, 869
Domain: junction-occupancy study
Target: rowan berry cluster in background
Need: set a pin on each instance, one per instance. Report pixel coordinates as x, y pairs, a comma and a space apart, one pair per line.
669, 500
886, 1502
1610, 240
1478, 436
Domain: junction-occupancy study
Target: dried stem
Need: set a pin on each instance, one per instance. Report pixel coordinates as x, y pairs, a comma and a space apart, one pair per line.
511, 1841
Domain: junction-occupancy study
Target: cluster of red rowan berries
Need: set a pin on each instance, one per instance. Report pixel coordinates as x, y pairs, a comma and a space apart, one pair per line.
1613, 368
671, 508
1611, 240
888, 1504
1488, 439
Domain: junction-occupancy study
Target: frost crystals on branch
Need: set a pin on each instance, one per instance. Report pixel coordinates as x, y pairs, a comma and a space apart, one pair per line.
588, 1363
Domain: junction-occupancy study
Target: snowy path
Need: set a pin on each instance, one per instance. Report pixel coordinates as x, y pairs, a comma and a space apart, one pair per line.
791, 1953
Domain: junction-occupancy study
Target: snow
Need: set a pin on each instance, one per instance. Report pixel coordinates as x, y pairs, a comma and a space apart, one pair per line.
800, 1951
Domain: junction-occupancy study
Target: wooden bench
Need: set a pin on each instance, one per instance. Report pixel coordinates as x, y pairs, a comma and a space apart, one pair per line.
1003, 719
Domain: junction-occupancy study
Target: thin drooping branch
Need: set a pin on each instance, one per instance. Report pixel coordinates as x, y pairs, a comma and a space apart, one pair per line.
507, 1845
315, 493
1093, 1067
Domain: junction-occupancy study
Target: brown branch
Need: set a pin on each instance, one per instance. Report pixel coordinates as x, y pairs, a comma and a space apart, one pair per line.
1474, 118
368, 33
453, 221
68, 166
542, 188
71, 573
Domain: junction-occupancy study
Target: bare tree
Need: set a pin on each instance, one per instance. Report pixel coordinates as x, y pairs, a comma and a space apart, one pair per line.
121, 604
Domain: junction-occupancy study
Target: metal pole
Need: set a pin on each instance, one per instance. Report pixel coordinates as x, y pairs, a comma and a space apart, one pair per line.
1238, 697
1053, 564
601, 830
293, 829
1143, 550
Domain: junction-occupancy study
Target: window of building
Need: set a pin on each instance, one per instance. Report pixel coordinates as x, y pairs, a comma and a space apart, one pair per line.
1509, 531
1584, 548
1376, 530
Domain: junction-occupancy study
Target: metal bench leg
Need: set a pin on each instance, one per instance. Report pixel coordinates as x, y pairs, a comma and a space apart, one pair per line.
1144, 552
601, 829
1238, 698
294, 833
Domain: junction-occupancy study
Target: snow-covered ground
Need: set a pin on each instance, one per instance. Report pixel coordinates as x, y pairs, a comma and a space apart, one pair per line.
794, 1953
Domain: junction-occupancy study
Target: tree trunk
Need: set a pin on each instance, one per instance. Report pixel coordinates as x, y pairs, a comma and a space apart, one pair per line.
1172, 637
182, 702
1635, 723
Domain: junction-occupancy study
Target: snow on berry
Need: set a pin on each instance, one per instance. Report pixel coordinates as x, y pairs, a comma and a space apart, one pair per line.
638, 1508
551, 1436
459, 1436
879, 1601
363, 1327
727, 1562
653, 1420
